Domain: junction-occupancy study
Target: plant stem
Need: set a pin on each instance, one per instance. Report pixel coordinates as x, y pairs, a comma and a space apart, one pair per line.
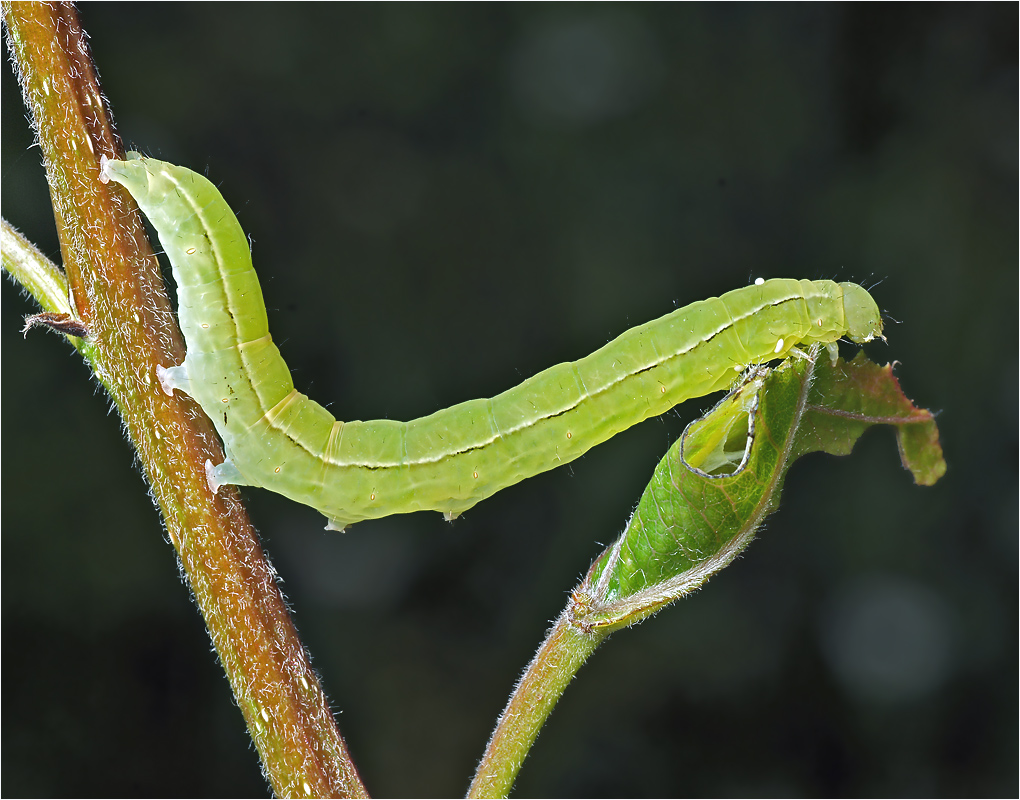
117, 292
559, 658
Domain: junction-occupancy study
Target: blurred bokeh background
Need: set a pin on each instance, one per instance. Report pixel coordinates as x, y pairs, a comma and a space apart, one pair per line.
443, 200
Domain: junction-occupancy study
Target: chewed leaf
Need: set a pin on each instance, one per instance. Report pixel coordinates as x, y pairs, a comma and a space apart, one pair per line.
719, 444
705, 502
688, 524
861, 394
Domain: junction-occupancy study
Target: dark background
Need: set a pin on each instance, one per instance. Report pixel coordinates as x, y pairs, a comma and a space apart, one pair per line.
444, 200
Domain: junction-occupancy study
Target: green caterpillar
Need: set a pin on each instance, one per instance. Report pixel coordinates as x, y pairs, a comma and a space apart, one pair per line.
277, 438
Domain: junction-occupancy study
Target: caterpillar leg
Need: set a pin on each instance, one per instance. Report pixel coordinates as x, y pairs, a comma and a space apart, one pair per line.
171, 378
796, 352
336, 524
222, 475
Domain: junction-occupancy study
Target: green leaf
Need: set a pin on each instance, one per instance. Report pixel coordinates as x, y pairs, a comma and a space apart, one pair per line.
710, 493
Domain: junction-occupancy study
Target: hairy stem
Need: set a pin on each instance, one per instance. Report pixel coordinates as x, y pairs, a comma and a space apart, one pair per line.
559, 658
116, 292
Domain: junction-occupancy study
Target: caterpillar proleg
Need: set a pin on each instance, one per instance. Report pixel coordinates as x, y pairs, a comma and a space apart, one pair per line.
279, 439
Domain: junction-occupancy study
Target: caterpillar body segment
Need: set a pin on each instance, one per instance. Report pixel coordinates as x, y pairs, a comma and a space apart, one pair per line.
277, 438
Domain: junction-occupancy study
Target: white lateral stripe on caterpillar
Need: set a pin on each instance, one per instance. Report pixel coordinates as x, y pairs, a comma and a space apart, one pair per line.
277, 438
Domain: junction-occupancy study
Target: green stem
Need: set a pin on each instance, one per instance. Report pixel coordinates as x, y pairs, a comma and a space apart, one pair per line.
29, 268
559, 658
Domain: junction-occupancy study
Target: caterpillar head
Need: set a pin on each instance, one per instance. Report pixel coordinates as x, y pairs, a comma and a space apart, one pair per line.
863, 319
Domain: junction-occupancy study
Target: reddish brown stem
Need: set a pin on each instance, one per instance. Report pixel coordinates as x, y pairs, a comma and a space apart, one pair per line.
118, 295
